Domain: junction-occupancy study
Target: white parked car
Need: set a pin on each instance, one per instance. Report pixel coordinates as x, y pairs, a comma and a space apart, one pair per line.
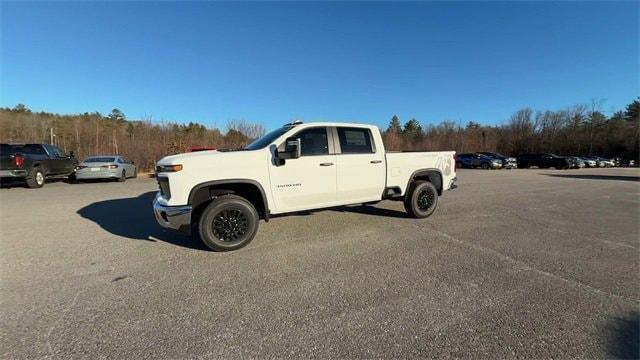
293, 168
106, 167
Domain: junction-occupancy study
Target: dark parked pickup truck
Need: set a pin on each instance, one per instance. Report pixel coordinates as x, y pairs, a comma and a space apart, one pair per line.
543, 161
34, 163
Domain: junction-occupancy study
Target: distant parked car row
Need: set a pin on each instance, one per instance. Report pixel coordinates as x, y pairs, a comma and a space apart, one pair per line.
489, 160
34, 163
485, 160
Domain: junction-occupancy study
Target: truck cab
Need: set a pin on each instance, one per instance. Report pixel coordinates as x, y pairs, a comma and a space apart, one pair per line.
293, 168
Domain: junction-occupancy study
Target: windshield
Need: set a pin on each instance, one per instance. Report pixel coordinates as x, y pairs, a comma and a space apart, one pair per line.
494, 155
99, 159
268, 138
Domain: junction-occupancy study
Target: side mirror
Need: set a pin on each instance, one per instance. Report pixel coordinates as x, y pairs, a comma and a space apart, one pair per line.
292, 149
133, 163
71, 154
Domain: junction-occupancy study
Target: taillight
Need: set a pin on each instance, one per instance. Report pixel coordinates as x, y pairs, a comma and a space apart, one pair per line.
109, 166
455, 160
19, 159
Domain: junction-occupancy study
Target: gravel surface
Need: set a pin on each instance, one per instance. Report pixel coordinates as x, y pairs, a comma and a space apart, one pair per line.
520, 263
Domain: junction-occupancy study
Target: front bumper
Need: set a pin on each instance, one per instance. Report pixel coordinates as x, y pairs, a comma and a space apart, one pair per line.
172, 217
13, 173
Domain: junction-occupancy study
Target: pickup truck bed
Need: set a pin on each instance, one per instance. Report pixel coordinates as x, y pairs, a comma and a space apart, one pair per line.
403, 166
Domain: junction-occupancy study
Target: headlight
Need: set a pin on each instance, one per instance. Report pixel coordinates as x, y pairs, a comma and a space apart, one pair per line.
168, 168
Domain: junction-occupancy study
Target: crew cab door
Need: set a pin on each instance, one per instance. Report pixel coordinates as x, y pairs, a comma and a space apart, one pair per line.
361, 164
59, 162
53, 163
309, 181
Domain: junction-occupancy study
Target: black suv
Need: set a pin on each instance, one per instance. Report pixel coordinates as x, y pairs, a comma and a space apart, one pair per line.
34, 163
543, 161
472, 160
507, 162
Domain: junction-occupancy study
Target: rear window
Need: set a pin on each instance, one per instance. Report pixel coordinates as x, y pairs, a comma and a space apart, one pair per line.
99, 159
28, 149
354, 141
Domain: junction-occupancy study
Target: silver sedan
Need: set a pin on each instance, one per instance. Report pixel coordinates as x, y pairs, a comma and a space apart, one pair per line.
106, 167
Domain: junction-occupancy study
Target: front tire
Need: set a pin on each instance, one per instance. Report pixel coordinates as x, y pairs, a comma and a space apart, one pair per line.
123, 177
35, 179
228, 223
485, 166
422, 200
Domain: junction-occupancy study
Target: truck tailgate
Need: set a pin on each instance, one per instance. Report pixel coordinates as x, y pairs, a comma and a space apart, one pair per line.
7, 160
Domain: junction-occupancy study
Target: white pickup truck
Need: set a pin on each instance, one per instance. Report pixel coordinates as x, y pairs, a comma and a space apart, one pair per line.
293, 168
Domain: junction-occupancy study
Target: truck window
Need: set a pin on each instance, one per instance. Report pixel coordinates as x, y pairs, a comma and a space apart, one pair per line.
355, 141
28, 149
33, 149
50, 149
314, 141
58, 151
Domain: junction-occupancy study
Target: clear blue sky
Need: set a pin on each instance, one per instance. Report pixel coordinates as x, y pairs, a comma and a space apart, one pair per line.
273, 62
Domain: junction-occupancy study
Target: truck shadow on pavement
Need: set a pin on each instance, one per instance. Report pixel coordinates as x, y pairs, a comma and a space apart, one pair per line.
597, 177
133, 218
624, 339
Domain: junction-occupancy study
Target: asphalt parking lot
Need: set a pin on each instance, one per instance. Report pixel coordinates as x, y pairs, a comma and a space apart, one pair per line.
521, 263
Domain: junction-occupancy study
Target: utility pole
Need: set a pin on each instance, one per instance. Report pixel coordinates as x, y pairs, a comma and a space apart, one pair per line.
51, 135
115, 142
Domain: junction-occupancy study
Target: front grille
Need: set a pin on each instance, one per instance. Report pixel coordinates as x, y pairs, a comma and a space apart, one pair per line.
165, 190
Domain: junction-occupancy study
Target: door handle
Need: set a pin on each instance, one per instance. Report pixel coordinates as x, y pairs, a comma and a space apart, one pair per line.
375, 161
326, 164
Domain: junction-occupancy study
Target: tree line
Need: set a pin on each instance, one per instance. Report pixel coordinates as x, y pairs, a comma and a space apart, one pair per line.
143, 142
577, 130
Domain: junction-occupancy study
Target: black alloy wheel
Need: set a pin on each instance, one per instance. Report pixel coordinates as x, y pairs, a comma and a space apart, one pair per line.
228, 223
426, 199
422, 199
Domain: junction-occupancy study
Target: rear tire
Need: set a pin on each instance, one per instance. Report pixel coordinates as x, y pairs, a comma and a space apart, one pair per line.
422, 200
228, 223
35, 179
